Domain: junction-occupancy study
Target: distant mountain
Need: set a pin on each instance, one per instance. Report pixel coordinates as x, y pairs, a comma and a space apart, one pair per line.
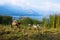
12, 11
5, 10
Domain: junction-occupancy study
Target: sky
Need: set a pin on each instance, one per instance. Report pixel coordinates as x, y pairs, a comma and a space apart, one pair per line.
29, 7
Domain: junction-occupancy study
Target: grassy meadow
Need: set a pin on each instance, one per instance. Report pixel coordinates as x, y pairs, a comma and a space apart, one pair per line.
49, 29
29, 33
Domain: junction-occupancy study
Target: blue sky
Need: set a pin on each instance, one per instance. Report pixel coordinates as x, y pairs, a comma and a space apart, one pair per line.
29, 7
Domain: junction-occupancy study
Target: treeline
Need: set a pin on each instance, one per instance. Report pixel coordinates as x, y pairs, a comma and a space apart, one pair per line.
27, 20
52, 21
5, 20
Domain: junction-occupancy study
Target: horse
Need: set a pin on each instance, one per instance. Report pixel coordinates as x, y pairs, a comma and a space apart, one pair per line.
15, 23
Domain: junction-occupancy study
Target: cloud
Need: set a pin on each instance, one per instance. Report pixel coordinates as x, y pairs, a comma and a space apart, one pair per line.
37, 5
2, 2
55, 7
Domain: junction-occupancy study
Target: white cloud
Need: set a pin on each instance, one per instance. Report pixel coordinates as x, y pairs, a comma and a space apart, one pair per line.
47, 6
27, 4
56, 7
2, 2
43, 6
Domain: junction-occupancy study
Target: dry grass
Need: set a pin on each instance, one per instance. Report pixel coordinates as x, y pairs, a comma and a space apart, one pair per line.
29, 33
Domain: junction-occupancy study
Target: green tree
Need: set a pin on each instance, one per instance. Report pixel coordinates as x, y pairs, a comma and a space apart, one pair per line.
5, 20
26, 20
44, 22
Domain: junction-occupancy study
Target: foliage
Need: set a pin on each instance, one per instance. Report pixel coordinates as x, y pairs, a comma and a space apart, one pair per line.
27, 20
5, 20
31, 33
54, 21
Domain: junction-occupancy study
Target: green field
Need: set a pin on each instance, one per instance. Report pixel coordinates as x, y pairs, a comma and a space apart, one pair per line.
49, 28
29, 33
